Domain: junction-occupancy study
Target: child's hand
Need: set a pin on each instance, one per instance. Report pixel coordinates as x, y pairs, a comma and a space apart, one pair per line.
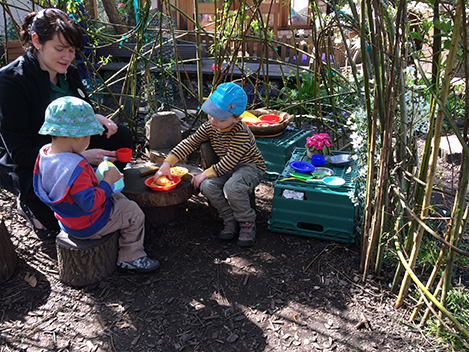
165, 170
198, 179
111, 175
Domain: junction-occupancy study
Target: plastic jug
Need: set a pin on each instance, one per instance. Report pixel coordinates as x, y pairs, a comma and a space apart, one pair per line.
105, 165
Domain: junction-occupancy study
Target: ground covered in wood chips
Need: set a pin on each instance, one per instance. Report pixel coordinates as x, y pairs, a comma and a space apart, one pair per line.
287, 293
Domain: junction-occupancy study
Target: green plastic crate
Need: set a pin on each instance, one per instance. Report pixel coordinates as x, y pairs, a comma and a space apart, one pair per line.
278, 150
321, 212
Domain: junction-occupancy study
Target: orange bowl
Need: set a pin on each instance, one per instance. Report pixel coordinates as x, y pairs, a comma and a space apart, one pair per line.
149, 182
273, 119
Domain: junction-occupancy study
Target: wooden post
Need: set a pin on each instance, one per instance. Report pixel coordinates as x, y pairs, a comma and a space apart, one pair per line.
8, 258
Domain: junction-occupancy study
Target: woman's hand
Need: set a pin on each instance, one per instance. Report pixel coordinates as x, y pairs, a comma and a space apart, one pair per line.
109, 124
95, 156
165, 170
198, 179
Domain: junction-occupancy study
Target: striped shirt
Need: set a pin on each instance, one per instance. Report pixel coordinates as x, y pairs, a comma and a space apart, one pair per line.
234, 145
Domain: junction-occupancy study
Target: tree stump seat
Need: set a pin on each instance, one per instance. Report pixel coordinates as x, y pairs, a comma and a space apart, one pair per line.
86, 262
8, 257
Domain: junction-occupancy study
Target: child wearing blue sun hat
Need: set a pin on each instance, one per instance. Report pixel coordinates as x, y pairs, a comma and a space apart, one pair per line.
228, 183
65, 181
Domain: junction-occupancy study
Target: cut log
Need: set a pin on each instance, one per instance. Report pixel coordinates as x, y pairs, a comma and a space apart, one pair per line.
86, 262
8, 258
159, 207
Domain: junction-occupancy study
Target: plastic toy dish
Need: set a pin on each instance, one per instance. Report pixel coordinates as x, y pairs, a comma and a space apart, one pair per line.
262, 123
301, 166
273, 119
248, 114
339, 159
318, 160
331, 181
321, 172
124, 155
149, 182
179, 171
249, 120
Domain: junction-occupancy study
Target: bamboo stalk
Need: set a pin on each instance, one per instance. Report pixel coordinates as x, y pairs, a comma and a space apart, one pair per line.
434, 154
429, 295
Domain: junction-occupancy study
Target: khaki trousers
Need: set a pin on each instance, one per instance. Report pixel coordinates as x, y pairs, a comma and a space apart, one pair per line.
126, 217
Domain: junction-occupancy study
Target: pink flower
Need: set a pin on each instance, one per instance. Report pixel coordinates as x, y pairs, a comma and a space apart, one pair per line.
119, 5
318, 141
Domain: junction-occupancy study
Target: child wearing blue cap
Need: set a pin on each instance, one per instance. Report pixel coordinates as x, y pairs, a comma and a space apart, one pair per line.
228, 183
64, 180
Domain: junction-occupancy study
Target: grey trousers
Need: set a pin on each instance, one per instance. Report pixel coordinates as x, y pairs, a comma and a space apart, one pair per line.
229, 194
127, 217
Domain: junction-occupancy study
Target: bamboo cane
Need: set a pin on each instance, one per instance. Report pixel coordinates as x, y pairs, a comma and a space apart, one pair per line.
435, 149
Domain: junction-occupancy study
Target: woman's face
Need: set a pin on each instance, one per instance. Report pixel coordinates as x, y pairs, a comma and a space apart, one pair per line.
55, 55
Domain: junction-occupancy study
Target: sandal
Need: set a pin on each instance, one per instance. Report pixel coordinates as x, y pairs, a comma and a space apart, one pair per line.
40, 231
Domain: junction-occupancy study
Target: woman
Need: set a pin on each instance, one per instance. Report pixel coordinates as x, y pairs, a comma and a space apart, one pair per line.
27, 86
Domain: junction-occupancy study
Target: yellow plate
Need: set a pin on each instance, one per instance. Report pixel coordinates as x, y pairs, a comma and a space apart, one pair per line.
248, 114
179, 171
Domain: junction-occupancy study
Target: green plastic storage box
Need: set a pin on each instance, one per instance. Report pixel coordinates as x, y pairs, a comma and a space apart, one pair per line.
313, 209
278, 150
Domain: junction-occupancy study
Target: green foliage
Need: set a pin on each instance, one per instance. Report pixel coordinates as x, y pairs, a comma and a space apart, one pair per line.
12, 33
458, 303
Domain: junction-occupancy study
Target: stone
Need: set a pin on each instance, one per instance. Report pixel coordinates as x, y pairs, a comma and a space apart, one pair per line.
163, 132
451, 149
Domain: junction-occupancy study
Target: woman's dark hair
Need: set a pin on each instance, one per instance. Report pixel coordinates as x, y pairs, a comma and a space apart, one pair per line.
48, 22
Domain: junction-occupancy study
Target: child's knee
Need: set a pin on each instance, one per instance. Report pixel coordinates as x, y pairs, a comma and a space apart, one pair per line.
135, 212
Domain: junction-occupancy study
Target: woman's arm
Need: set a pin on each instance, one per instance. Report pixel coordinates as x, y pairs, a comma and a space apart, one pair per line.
21, 117
108, 124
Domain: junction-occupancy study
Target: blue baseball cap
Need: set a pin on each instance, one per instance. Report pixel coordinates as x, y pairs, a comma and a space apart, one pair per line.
228, 99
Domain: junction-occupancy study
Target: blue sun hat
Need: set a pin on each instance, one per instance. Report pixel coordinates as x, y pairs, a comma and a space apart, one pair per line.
227, 100
70, 117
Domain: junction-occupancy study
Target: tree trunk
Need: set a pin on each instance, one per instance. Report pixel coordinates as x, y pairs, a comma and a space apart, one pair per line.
114, 16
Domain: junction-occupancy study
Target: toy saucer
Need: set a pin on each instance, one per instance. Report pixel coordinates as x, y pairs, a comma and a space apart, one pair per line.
179, 171
155, 187
339, 159
272, 119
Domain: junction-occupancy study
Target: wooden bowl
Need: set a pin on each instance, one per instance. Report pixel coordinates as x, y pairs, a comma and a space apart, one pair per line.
273, 129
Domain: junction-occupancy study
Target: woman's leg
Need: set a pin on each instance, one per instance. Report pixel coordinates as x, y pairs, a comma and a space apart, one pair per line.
33, 207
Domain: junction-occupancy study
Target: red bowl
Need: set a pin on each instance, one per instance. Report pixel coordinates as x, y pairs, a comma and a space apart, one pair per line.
175, 180
273, 119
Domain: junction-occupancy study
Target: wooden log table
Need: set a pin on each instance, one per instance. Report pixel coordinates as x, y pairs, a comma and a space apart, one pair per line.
160, 207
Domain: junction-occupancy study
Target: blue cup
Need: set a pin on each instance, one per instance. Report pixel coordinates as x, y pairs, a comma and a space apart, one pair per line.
318, 160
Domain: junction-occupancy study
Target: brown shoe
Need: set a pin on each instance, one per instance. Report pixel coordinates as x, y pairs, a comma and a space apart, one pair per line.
231, 228
247, 234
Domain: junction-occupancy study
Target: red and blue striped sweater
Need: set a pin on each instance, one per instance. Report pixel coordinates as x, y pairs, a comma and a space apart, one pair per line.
66, 182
